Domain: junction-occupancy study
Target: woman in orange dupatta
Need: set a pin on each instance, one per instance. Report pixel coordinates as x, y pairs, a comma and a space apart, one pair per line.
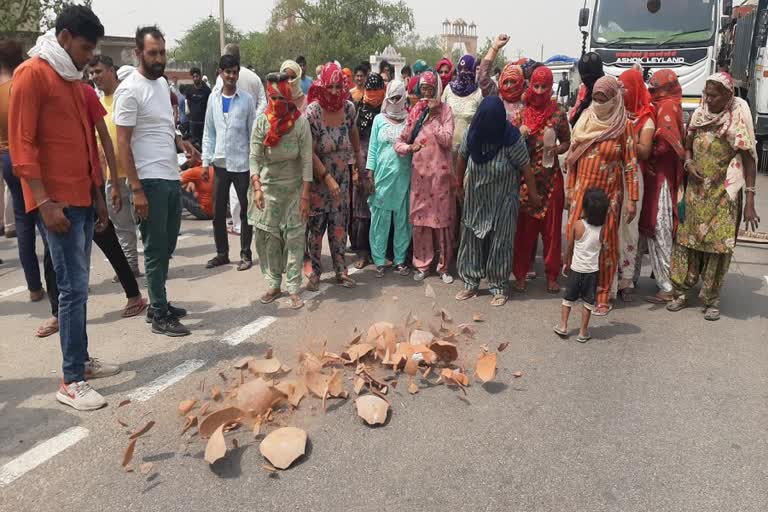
603, 156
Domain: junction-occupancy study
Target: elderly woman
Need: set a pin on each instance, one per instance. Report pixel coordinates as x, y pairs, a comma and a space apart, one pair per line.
293, 70
511, 81
603, 156
463, 96
637, 101
336, 142
663, 180
428, 136
392, 181
361, 181
281, 174
492, 154
720, 163
544, 124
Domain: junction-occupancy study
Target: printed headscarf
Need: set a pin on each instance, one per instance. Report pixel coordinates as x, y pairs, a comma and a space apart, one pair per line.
734, 124
513, 92
667, 96
637, 99
372, 100
395, 110
319, 90
465, 82
281, 111
418, 114
490, 131
444, 80
601, 121
539, 108
591, 70
419, 67
296, 91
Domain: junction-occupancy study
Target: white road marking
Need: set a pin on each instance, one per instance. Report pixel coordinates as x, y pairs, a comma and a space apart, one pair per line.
12, 291
44, 451
766, 279
249, 330
166, 380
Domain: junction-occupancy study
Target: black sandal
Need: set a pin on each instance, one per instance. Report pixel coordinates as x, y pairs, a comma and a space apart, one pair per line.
217, 261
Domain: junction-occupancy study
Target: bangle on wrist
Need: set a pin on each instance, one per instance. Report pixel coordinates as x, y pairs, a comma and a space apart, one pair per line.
750, 189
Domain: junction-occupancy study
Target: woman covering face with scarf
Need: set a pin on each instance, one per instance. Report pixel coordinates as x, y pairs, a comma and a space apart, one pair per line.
428, 136
720, 163
540, 114
603, 156
361, 180
511, 82
293, 70
281, 174
464, 97
336, 143
392, 181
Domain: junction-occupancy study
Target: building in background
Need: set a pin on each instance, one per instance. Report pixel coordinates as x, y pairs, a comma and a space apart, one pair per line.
458, 36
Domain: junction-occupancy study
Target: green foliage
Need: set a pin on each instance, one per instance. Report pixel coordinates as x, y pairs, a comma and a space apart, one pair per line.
24, 15
322, 30
201, 43
414, 47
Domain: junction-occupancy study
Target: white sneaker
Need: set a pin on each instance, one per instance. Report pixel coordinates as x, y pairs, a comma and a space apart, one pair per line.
95, 369
447, 278
80, 396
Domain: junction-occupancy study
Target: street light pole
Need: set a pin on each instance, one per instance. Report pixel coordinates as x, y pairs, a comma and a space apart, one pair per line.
221, 26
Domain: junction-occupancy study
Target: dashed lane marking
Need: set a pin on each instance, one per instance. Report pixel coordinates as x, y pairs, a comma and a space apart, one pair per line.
249, 330
13, 291
166, 380
44, 451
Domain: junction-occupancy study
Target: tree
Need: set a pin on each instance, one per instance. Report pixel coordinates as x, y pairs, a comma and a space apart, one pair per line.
414, 47
201, 43
33, 15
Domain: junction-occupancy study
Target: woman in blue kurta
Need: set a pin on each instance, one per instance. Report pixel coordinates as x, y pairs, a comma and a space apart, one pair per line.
391, 181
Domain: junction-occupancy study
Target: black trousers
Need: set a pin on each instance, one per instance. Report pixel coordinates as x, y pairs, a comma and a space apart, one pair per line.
109, 244
221, 182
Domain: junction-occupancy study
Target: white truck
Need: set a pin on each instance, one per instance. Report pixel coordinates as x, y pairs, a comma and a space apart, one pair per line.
695, 38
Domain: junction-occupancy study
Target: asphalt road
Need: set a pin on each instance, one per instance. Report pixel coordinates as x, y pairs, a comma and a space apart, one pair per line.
659, 412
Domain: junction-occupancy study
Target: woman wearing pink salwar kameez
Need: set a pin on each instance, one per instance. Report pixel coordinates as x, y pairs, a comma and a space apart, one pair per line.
428, 136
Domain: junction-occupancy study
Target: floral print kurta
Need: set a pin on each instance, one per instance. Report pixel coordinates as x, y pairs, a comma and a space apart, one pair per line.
710, 214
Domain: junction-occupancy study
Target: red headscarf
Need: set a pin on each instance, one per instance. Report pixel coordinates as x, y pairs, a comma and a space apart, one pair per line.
667, 96
539, 107
281, 112
331, 75
637, 99
512, 93
444, 80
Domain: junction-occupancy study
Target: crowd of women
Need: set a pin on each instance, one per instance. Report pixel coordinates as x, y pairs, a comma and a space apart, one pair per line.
457, 162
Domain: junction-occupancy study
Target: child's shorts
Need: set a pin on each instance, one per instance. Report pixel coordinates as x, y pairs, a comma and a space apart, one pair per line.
581, 286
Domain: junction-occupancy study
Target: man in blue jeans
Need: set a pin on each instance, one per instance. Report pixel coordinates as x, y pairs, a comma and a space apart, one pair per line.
55, 159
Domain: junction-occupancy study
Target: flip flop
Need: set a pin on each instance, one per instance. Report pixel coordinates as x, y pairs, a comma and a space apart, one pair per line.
361, 263
269, 298
346, 281
655, 299
602, 310
313, 284
584, 339
244, 265
563, 333
46, 330
135, 309
295, 302
499, 300
466, 294
712, 314
553, 290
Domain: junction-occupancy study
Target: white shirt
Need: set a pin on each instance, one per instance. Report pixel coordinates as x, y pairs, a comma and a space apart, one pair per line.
145, 105
249, 82
586, 250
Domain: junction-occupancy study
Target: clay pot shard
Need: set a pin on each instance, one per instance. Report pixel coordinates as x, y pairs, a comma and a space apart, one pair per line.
485, 368
218, 419
264, 366
216, 447
258, 395
355, 352
372, 409
446, 351
383, 337
283, 446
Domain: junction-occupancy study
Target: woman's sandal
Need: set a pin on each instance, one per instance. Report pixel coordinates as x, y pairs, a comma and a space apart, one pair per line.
135, 309
295, 302
499, 300
244, 265
346, 281
313, 284
677, 304
270, 297
553, 288
659, 298
519, 289
627, 295
361, 263
712, 314
48, 328
603, 310
466, 294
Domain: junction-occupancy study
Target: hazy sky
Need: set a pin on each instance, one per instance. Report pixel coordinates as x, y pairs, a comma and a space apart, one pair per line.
530, 23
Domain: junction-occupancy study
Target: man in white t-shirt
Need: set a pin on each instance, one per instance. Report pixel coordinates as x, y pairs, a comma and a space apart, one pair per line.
248, 81
147, 142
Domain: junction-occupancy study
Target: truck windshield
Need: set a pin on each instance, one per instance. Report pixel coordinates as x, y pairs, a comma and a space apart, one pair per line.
631, 22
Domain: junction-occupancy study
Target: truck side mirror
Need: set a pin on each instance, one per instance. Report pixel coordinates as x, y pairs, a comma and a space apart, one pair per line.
583, 17
727, 7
